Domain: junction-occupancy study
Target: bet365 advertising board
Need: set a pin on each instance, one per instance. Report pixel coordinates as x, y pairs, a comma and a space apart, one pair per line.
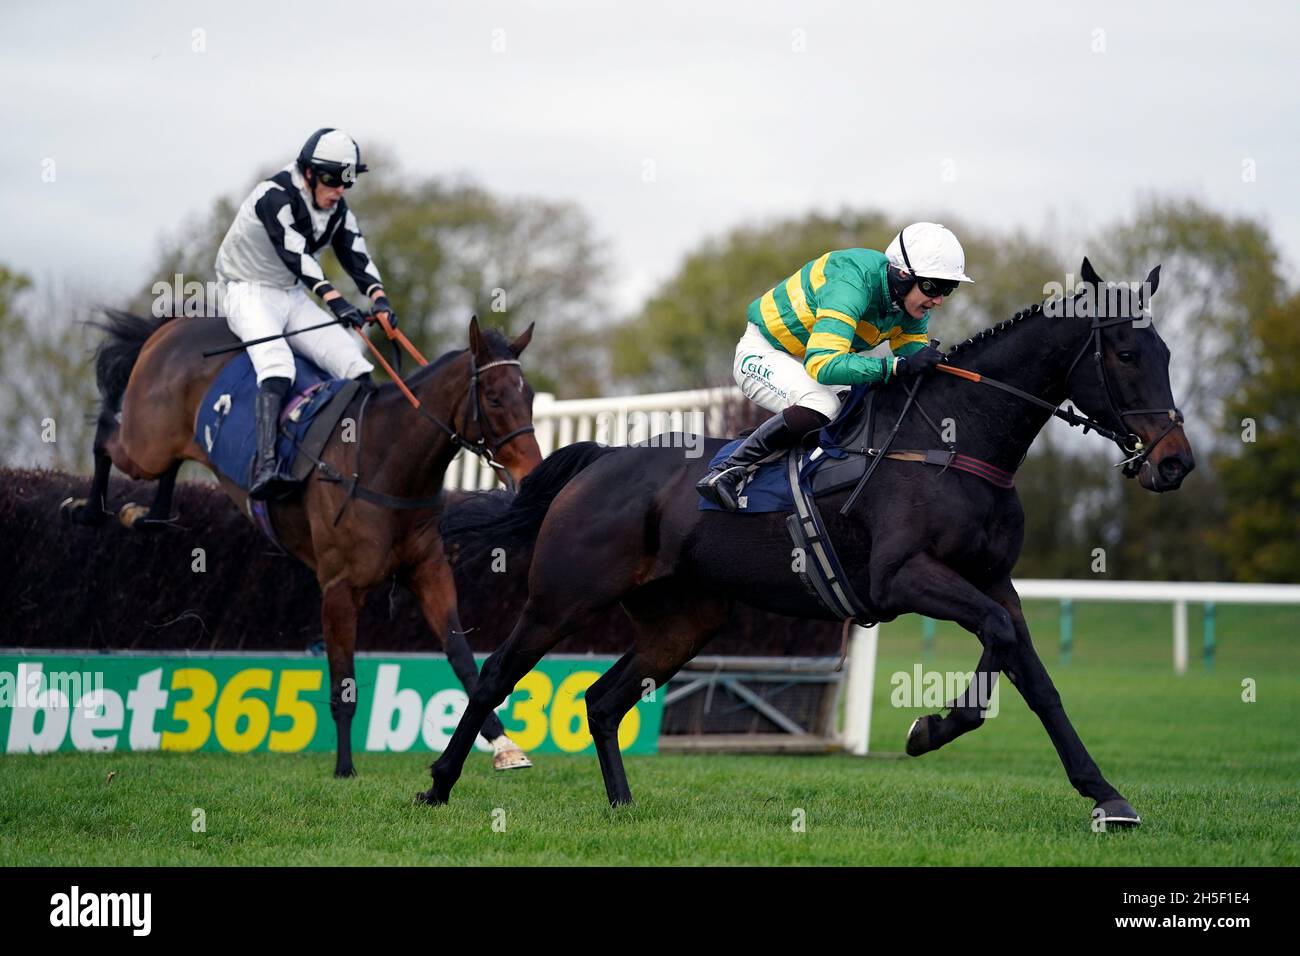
237, 704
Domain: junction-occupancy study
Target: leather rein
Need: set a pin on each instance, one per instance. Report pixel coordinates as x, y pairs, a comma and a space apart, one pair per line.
1130, 444
486, 445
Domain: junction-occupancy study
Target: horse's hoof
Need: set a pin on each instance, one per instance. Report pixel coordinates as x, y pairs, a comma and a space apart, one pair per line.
511, 758
430, 798
918, 736
78, 511
130, 514
136, 517
345, 772
1117, 813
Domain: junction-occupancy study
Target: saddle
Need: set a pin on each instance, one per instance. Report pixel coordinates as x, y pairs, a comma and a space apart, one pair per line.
224, 425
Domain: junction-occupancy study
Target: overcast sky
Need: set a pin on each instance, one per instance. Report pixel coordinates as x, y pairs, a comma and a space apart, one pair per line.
667, 122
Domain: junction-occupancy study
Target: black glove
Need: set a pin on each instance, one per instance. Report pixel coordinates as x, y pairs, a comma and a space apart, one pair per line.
346, 312
381, 305
919, 362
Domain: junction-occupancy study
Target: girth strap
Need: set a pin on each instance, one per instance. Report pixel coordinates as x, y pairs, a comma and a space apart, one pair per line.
825, 575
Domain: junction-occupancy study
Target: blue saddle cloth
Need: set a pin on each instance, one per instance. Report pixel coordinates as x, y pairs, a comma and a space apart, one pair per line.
768, 487
225, 428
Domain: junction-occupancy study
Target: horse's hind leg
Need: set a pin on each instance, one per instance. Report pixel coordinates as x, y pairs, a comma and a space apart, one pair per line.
535, 633
435, 589
672, 624
927, 586
159, 514
92, 509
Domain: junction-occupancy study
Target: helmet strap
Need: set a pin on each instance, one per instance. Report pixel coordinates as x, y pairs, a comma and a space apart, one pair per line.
312, 180
899, 284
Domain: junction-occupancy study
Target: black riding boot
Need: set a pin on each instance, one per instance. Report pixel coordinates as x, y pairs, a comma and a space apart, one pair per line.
722, 485
270, 397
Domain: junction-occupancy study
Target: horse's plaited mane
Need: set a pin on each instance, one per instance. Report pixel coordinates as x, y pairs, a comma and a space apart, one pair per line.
980, 336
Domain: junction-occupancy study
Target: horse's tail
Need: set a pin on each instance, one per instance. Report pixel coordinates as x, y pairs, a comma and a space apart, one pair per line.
124, 337
498, 519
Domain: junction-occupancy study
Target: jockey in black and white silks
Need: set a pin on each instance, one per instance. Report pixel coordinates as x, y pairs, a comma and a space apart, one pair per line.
267, 266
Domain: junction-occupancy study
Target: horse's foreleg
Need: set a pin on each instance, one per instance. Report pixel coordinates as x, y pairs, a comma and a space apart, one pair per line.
926, 585
339, 606
1024, 669
435, 589
965, 713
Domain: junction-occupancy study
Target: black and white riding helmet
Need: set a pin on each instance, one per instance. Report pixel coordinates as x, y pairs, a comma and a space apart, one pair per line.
333, 156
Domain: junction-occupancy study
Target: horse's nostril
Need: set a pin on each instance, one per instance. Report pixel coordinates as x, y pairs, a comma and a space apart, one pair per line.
1171, 469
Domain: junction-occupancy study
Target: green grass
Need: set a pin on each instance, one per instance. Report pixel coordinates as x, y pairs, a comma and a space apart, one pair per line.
1214, 778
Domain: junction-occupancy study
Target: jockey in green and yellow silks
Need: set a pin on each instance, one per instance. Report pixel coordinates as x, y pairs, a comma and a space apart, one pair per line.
803, 344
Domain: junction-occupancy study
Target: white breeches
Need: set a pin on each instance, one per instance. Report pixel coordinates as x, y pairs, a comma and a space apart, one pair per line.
254, 310
776, 379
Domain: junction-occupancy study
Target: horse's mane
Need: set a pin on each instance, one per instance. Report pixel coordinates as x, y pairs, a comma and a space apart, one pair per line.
496, 342
984, 335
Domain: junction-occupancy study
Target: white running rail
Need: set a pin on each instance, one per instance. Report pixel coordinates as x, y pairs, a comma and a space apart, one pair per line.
612, 421
859, 686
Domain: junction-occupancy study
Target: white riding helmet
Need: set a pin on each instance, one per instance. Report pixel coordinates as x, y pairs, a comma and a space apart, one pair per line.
334, 153
929, 250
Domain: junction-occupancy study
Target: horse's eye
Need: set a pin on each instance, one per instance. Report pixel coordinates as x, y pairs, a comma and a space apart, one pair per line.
1127, 356
494, 401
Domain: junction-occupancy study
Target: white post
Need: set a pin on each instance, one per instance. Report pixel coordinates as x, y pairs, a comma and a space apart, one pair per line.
859, 688
1180, 637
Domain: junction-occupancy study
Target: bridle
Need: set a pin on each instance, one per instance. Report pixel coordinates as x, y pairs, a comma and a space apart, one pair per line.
1128, 442
486, 445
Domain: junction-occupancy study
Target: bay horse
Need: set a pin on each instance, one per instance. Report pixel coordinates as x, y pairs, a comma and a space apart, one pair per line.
622, 525
153, 375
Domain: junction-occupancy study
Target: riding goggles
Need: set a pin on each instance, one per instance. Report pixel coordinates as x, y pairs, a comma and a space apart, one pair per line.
332, 176
936, 288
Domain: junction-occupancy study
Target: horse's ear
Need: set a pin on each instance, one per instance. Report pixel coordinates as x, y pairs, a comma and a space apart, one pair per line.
521, 343
1151, 284
475, 337
1089, 273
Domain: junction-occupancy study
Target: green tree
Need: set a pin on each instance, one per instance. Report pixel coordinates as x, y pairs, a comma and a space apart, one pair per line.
47, 386
1260, 536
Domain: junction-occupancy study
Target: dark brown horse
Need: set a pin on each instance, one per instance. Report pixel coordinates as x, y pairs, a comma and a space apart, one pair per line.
622, 526
152, 376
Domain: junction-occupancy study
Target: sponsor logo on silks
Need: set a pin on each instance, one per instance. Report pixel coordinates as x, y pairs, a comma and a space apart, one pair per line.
753, 369
753, 365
